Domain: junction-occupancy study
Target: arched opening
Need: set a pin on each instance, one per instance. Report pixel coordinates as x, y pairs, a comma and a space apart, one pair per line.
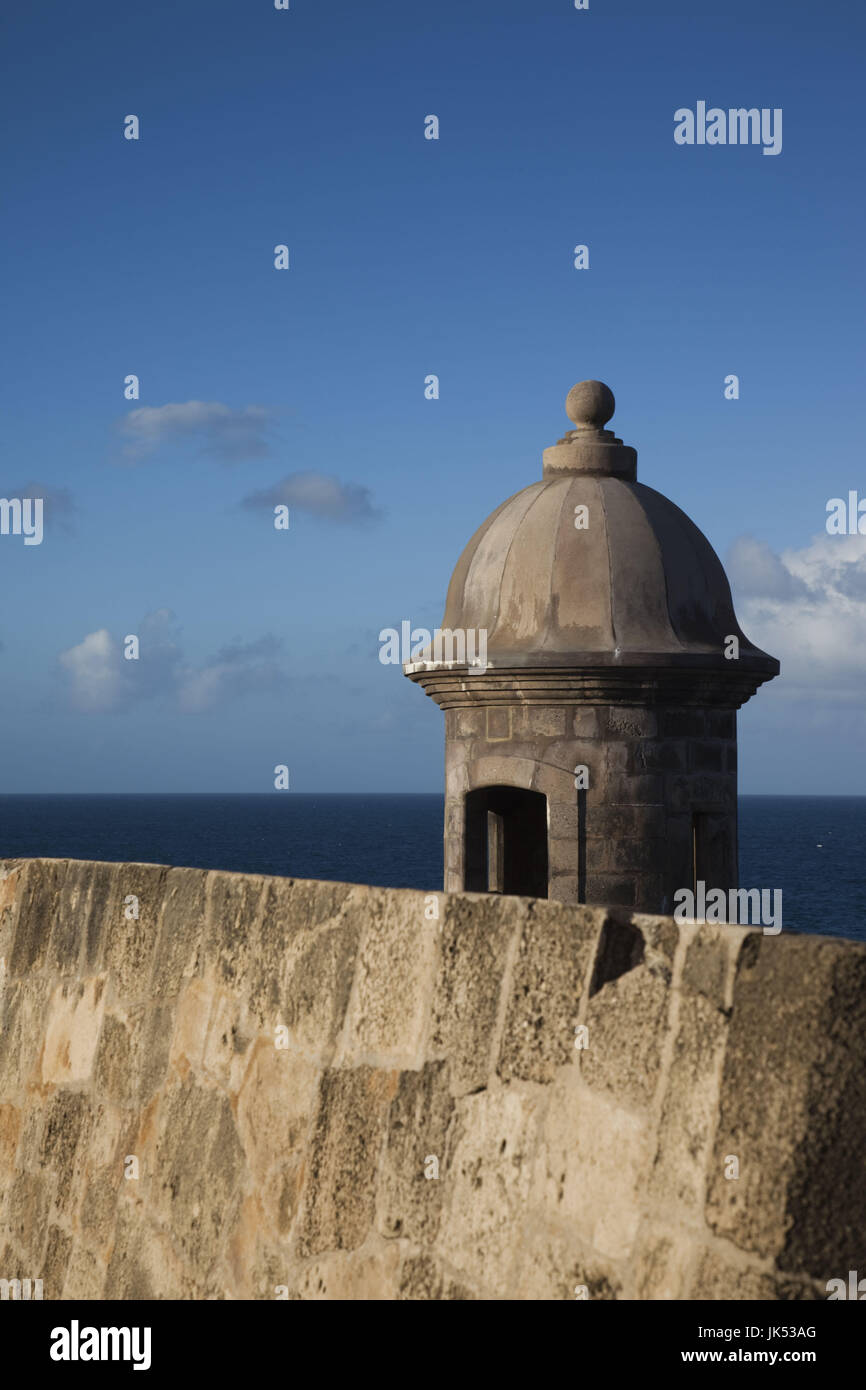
506, 842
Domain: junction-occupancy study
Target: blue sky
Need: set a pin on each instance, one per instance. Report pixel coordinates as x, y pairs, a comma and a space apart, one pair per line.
408, 257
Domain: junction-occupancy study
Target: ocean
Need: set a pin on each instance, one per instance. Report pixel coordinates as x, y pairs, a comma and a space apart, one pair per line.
810, 847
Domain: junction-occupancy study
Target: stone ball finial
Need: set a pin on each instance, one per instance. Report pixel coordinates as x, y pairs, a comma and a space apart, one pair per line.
590, 403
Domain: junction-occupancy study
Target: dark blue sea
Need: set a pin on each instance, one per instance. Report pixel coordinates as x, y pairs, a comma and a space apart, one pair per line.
813, 848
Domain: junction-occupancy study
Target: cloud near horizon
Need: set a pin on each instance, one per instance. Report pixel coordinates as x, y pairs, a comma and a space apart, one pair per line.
808, 608
320, 495
222, 433
100, 680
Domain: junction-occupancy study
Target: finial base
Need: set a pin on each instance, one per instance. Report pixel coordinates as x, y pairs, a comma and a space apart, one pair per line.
591, 451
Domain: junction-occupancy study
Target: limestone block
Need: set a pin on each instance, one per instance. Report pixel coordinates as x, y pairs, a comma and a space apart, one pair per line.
489, 1184
26, 1205
72, 1031
274, 1106
422, 1279
411, 1187
663, 1261
316, 983
556, 1265
630, 789
99, 1208
585, 722
10, 1132
345, 1147
389, 1006
144, 1264
564, 888
38, 889
469, 723
69, 925
627, 1020
197, 1172
616, 890
191, 1022
369, 1274
133, 1052
630, 721
234, 904
302, 921
636, 822
179, 952
690, 1108
128, 944
55, 1262
724, 1274
24, 1005
501, 770
793, 1106
541, 720
563, 819
592, 1167
623, 855
68, 1121
85, 1275
555, 952
477, 930
12, 872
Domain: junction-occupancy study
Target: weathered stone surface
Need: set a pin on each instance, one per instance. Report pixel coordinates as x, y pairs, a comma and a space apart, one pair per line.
557, 1266
197, 1167
387, 1016
371, 1273
793, 1106
591, 1168
413, 1176
476, 935
691, 1105
38, 891
422, 1280
339, 1195
181, 930
23, 1009
551, 973
489, 1180
72, 1036
214, 1112
129, 942
726, 1275
627, 1025
317, 983
663, 1262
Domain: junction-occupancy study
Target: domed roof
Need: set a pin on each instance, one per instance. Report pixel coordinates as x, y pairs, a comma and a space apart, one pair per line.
589, 568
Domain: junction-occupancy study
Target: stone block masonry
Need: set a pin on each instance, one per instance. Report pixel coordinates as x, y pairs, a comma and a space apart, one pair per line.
216, 1085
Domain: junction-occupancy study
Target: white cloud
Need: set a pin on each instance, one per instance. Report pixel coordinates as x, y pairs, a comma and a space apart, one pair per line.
225, 434
808, 608
95, 674
319, 494
101, 680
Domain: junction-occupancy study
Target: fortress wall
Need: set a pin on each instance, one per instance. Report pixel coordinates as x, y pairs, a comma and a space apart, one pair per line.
266, 1171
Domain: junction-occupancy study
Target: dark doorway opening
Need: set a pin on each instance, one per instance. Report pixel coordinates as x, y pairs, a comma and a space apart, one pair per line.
506, 842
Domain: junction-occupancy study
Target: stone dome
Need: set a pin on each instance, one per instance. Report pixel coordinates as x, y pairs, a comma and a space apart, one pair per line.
590, 568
